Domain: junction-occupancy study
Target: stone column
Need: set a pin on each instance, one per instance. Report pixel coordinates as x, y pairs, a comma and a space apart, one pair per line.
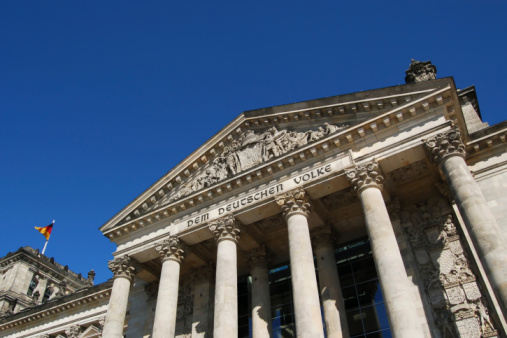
171, 253
448, 152
305, 294
367, 182
124, 270
261, 302
201, 307
226, 234
330, 289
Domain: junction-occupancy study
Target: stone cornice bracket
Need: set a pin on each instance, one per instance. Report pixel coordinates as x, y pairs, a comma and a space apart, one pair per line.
365, 176
445, 145
123, 266
322, 237
171, 249
258, 257
225, 228
294, 202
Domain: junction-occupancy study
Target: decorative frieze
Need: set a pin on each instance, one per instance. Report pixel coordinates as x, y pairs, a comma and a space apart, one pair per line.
365, 176
171, 249
459, 308
225, 228
322, 237
294, 202
123, 266
445, 145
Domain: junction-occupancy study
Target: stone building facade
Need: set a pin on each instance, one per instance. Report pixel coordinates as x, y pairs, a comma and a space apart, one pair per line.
371, 214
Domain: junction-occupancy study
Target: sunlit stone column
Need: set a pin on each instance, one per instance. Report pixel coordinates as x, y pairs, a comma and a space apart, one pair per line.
171, 252
367, 182
295, 208
261, 302
330, 289
448, 152
201, 307
226, 234
124, 270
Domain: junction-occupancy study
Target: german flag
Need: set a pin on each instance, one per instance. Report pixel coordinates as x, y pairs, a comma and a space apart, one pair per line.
46, 231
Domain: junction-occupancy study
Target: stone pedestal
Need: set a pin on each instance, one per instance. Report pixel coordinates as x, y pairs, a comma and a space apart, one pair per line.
171, 252
295, 209
124, 270
329, 283
448, 152
261, 303
226, 234
366, 181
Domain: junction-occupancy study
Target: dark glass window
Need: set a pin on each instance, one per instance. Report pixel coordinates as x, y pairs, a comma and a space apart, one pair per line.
364, 304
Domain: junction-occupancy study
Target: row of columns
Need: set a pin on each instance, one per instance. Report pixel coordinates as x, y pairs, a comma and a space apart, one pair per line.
446, 150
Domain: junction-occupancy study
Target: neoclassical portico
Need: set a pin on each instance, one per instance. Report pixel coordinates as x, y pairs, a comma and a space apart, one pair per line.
254, 233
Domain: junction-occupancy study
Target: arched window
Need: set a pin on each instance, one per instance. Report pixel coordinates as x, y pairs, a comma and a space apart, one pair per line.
47, 294
33, 284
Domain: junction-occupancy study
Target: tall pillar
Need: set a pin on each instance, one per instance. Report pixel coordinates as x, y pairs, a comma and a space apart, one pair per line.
261, 302
367, 180
201, 307
171, 253
226, 234
295, 208
124, 270
448, 152
330, 289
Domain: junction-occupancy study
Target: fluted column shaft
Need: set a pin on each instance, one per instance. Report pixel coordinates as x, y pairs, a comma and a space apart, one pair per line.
330, 289
448, 152
124, 270
261, 302
226, 233
295, 208
171, 251
366, 181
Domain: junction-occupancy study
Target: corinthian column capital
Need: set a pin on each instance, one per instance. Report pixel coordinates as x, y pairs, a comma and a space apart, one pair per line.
258, 257
445, 145
365, 176
123, 266
170, 249
225, 228
322, 237
294, 202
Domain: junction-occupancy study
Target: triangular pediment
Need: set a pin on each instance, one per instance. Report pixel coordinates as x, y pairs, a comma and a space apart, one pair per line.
260, 138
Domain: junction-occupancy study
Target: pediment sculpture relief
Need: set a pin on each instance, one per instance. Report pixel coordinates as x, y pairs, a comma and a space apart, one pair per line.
250, 150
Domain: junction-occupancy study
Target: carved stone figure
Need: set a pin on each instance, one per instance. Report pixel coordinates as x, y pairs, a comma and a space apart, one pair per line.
250, 150
419, 71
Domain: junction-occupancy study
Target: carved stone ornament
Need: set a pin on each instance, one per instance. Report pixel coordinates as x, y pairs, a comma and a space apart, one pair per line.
73, 331
249, 150
445, 145
365, 176
170, 249
294, 202
420, 71
322, 237
225, 228
123, 267
258, 257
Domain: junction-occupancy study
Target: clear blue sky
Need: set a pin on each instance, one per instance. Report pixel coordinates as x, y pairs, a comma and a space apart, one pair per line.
99, 99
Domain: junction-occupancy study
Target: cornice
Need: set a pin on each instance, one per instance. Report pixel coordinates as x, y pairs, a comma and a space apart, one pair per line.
51, 308
340, 141
487, 142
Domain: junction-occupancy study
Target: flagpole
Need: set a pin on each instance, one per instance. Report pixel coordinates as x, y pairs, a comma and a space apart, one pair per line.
45, 244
